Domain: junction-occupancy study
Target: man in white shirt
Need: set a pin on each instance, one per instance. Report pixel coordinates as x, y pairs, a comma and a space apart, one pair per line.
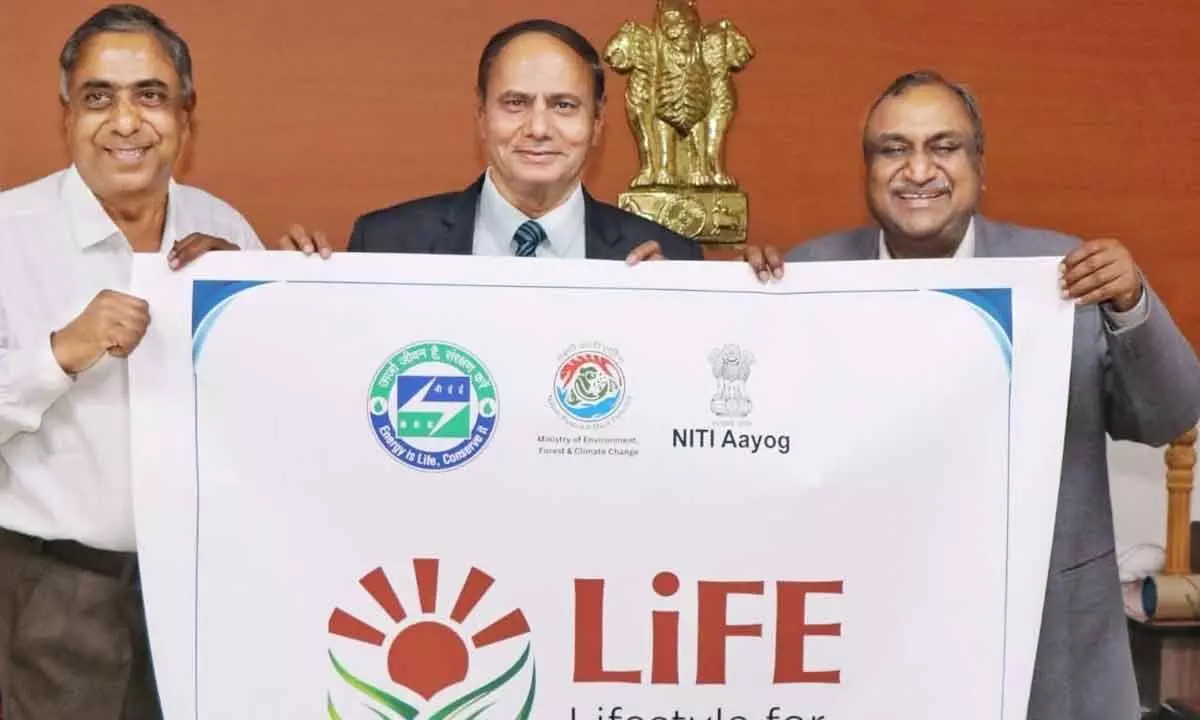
72, 628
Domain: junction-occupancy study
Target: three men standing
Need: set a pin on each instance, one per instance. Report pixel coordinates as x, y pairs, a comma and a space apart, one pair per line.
72, 629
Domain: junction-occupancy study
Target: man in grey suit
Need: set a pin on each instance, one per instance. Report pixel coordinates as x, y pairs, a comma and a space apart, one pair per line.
1133, 374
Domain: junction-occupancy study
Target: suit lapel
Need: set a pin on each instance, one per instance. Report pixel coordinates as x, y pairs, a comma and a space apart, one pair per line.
603, 239
459, 223
864, 243
989, 242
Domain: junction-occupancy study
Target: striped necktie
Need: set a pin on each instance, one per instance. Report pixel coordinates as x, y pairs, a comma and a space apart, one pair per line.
528, 237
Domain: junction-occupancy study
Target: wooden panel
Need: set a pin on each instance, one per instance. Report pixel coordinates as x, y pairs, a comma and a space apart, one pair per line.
1166, 657
316, 112
1196, 546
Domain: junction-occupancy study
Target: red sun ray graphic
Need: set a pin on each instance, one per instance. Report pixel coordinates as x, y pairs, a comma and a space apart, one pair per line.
427, 655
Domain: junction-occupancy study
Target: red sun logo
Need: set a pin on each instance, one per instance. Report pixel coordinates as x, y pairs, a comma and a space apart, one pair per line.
427, 655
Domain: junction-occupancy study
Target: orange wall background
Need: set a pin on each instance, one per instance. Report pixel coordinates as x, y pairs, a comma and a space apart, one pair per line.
318, 111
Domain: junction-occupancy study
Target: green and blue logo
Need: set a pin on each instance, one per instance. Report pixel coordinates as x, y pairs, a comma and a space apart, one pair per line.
433, 406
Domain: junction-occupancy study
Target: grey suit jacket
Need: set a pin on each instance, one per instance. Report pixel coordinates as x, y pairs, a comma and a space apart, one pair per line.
1140, 384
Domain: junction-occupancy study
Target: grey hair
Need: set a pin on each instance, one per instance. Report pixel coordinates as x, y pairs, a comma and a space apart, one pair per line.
127, 18
930, 77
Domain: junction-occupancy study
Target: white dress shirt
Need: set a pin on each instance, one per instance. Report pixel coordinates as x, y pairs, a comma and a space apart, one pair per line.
965, 249
1117, 321
64, 442
496, 221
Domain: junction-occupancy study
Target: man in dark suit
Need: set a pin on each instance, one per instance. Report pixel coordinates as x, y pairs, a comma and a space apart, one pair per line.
541, 98
1133, 374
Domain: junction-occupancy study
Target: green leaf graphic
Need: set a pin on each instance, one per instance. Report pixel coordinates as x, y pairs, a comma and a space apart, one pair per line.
527, 708
406, 711
480, 711
449, 712
475, 695
333, 713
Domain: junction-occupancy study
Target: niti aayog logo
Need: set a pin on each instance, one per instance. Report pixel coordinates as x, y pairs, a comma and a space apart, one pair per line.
731, 407
433, 406
731, 368
430, 656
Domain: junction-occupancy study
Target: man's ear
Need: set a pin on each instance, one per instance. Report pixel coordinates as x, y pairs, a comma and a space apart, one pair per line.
481, 118
598, 122
64, 101
189, 109
188, 121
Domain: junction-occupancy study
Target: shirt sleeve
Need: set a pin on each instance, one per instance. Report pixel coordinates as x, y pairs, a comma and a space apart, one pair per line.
1118, 321
30, 381
244, 235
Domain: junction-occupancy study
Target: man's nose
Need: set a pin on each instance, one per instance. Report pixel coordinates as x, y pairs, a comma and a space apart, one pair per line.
538, 125
127, 117
920, 169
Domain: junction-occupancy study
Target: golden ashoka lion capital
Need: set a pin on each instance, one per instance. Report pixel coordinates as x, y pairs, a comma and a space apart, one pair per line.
679, 101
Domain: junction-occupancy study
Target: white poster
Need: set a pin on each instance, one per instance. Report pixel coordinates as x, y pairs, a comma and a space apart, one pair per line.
452, 488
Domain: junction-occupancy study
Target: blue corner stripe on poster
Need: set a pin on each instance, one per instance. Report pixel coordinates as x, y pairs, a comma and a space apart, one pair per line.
995, 304
209, 300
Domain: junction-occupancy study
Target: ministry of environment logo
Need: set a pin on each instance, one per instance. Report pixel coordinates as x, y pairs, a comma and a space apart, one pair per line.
589, 385
428, 653
731, 367
433, 406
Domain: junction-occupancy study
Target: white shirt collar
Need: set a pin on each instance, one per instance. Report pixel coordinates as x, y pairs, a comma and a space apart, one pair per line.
563, 224
90, 224
966, 248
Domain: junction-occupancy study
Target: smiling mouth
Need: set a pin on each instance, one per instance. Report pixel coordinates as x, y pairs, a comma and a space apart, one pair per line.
538, 154
127, 154
921, 195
